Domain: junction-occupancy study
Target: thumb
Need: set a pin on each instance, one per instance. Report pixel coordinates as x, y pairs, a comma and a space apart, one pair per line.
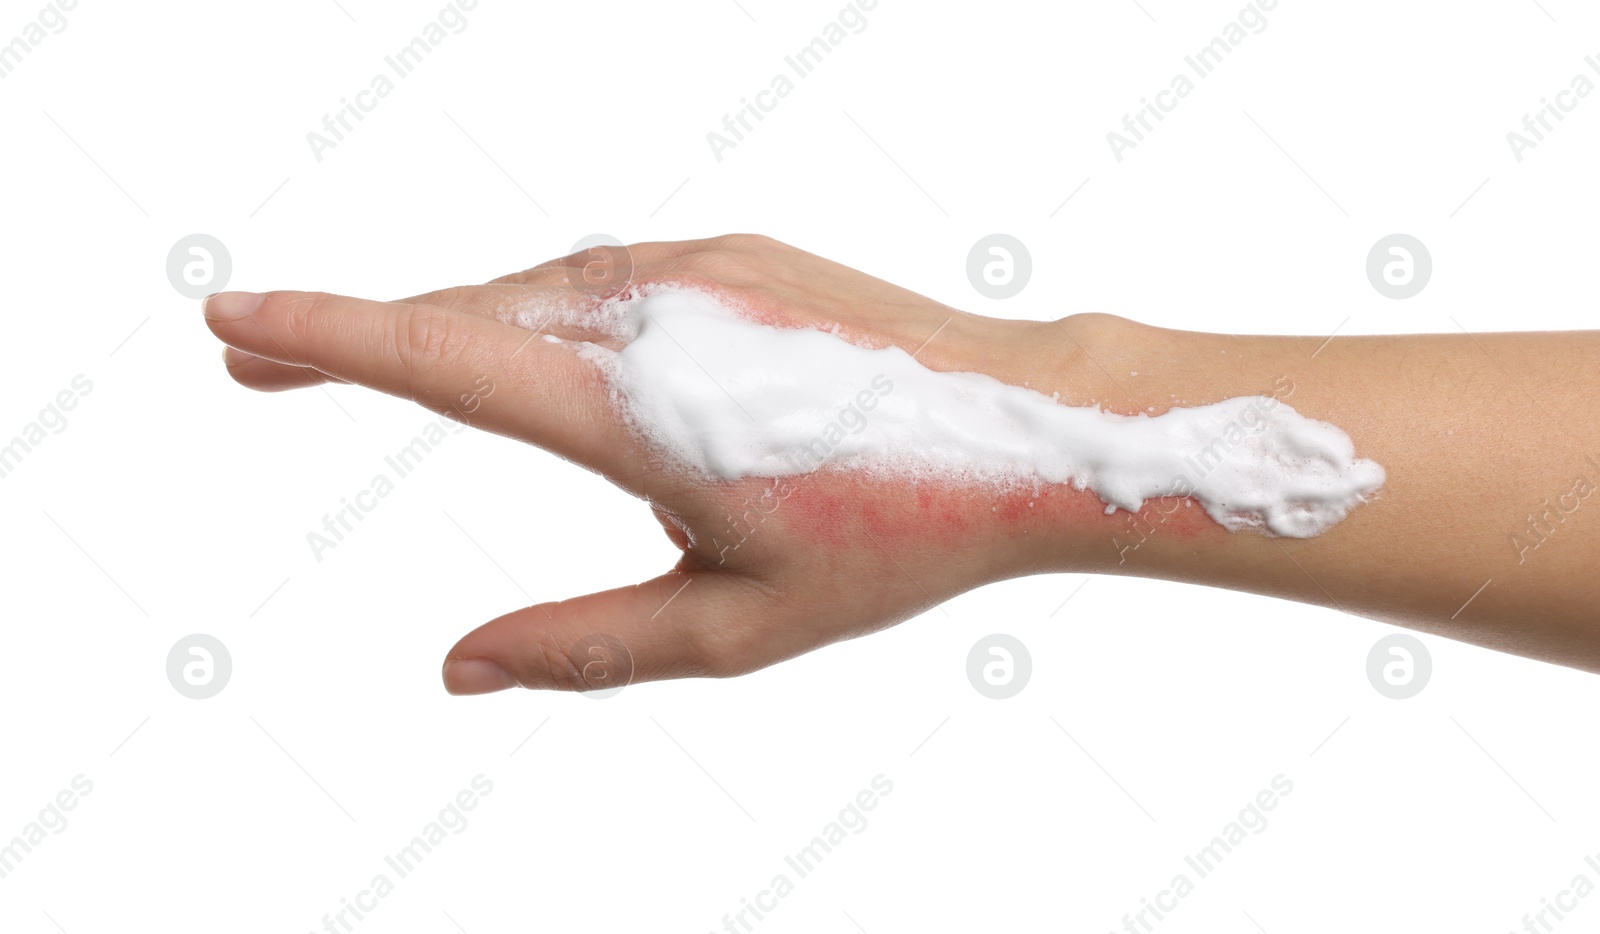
679, 625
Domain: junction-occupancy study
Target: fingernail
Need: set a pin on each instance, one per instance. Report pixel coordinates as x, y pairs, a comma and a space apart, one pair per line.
476, 676
231, 306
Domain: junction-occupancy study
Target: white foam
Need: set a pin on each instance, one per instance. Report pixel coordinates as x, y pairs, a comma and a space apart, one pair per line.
732, 398
539, 309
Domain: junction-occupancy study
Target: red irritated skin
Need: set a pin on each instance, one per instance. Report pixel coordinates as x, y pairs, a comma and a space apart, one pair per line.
774, 568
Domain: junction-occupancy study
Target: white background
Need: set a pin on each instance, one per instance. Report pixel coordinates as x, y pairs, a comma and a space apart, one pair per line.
176, 502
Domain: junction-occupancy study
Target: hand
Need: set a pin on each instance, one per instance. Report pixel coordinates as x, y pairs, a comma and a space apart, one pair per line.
770, 568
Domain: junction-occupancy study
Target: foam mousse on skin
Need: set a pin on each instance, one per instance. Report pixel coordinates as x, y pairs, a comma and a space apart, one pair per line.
733, 398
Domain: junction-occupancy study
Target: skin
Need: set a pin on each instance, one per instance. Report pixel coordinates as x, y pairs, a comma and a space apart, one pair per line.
1491, 443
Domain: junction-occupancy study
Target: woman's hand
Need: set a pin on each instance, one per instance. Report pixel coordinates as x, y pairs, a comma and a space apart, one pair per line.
1479, 533
770, 568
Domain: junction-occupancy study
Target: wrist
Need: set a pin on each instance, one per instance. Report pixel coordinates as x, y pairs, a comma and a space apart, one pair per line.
1081, 360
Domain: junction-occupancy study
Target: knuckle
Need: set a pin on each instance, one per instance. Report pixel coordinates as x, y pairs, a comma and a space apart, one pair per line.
548, 276
720, 652
746, 242
424, 337
559, 669
452, 297
299, 312
718, 265
1096, 323
429, 331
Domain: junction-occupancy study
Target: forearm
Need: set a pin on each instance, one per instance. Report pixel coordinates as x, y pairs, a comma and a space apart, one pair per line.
1491, 443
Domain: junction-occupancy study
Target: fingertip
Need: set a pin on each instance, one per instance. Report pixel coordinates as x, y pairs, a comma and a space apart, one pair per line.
230, 306
263, 375
476, 676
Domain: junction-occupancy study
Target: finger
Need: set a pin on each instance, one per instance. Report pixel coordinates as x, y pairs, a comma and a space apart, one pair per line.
560, 271
567, 313
479, 371
562, 312
265, 375
678, 625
